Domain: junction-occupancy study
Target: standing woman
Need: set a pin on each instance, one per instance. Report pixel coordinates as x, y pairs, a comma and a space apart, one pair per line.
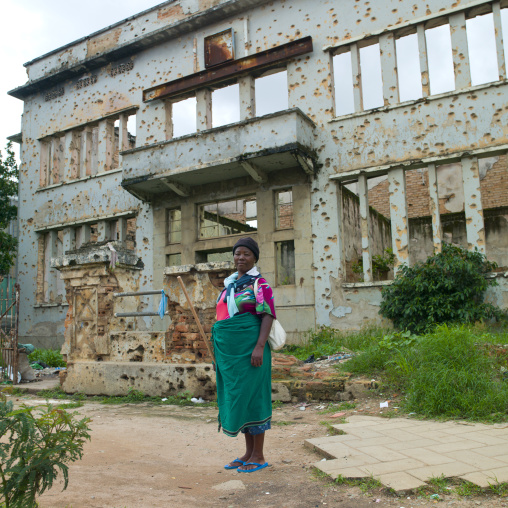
243, 358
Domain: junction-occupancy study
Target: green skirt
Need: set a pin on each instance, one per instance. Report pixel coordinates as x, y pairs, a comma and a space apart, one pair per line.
244, 392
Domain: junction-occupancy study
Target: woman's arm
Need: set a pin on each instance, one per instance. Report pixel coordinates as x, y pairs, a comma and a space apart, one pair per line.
257, 355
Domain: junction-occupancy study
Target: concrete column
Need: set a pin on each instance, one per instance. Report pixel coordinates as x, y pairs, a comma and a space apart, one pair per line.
123, 141
203, 109
460, 50
475, 229
85, 155
71, 156
54, 163
398, 216
190, 231
121, 228
389, 69
168, 119
501, 62
424, 63
69, 239
363, 194
434, 208
105, 147
82, 235
247, 98
357, 78
103, 231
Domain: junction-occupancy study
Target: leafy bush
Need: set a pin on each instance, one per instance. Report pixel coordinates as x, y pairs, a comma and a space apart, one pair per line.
36, 444
51, 357
449, 287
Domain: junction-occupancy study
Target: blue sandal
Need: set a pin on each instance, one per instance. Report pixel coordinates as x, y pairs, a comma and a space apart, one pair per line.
260, 466
242, 463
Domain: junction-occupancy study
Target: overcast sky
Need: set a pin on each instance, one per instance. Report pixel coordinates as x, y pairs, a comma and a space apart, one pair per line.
31, 28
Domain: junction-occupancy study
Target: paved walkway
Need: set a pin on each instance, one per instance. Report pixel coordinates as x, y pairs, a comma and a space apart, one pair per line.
403, 453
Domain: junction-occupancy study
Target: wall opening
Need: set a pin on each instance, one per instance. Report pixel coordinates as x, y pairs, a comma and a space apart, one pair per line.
408, 68
214, 255
284, 209
183, 117
271, 92
226, 105
372, 81
285, 259
481, 43
440, 60
174, 226
224, 218
343, 84
174, 259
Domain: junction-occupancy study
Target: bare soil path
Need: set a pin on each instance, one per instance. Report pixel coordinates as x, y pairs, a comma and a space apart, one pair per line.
163, 456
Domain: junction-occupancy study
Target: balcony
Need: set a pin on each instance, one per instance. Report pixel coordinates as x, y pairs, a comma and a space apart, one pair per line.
255, 147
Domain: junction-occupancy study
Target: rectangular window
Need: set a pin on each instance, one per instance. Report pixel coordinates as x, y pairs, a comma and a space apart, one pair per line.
174, 226
214, 255
284, 209
174, 259
285, 253
343, 83
408, 68
481, 43
271, 93
439, 55
372, 81
183, 116
226, 105
225, 218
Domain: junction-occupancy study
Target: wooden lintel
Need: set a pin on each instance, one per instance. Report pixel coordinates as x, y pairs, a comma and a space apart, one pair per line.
229, 70
256, 174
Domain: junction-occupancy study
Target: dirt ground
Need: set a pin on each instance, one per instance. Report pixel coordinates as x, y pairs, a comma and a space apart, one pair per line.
146, 456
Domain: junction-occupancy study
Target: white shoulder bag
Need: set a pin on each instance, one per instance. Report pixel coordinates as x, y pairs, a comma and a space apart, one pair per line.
277, 335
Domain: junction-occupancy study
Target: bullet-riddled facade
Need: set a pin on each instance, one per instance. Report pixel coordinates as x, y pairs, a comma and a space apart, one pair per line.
149, 147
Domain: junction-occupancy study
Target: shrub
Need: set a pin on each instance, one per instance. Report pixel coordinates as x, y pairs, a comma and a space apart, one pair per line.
449, 287
51, 357
36, 443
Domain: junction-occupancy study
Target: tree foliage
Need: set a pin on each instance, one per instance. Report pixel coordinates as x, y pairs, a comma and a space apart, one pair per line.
449, 287
8, 189
36, 443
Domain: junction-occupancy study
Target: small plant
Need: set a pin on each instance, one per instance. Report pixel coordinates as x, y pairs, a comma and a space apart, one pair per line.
36, 444
449, 287
51, 357
277, 404
381, 265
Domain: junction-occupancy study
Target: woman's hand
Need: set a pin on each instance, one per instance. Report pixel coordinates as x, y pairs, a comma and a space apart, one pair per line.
256, 359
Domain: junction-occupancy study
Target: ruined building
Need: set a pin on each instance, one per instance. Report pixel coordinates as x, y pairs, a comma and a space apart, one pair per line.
330, 131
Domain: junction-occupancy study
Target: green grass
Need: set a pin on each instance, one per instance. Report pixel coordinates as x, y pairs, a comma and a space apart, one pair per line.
51, 357
334, 408
331, 429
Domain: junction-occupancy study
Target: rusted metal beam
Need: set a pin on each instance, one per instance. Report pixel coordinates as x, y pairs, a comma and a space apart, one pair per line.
229, 70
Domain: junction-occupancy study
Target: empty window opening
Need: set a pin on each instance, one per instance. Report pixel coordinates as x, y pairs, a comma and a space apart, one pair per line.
174, 226
351, 233
284, 209
226, 105
116, 144
94, 150
494, 192
421, 236
184, 117
285, 258
214, 255
440, 60
271, 93
174, 259
481, 42
408, 68
372, 81
343, 84
228, 218
130, 237
52, 160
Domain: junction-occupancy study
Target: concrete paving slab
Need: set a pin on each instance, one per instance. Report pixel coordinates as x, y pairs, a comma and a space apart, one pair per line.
405, 456
400, 481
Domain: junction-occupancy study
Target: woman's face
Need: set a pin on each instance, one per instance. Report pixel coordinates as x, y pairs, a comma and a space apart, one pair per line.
244, 259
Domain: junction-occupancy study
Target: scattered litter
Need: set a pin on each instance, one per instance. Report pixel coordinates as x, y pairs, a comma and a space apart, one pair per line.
435, 496
378, 500
267, 492
383, 404
188, 488
323, 460
164, 399
337, 415
310, 359
197, 401
302, 408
